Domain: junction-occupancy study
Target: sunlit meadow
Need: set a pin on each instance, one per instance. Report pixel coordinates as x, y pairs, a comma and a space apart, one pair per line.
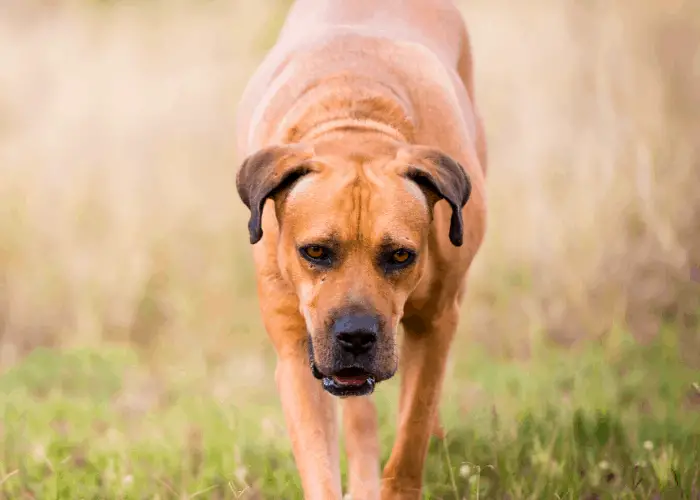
133, 363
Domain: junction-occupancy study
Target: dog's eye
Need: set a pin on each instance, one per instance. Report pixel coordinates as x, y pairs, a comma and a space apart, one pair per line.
316, 254
398, 259
400, 256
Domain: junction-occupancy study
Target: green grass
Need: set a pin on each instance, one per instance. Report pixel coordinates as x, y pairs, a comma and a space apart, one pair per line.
610, 419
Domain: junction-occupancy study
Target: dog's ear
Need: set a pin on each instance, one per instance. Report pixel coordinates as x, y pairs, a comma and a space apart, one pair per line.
440, 177
265, 174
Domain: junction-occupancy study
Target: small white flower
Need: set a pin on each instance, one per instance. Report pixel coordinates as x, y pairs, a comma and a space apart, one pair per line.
268, 427
464, 470
648, 445
39, 453
241, 474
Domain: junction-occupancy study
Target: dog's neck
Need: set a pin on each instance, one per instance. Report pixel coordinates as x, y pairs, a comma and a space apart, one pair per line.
343, 125
357, 106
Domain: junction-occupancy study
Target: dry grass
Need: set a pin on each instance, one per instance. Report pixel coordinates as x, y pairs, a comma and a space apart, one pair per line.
596, 165
119, 218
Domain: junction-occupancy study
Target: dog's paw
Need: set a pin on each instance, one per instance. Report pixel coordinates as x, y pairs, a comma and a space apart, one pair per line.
390, 492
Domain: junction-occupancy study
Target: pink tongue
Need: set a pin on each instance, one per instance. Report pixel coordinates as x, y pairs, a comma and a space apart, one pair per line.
357, 380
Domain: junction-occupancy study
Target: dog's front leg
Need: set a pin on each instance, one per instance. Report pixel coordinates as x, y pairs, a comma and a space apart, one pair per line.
424, 353
309, 413
362, 446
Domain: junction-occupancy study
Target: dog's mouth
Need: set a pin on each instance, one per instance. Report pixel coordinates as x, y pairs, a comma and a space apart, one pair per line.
351, 377
346, 382
350, 382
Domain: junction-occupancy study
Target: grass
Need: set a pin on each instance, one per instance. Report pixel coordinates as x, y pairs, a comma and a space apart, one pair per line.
611, 419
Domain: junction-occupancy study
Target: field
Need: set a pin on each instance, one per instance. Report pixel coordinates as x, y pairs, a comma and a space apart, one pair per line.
133, 363
611, 420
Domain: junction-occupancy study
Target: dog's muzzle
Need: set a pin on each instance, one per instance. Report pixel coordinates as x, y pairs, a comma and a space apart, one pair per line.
354, 338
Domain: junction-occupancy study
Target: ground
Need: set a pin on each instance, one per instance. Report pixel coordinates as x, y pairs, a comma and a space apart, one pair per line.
609, 419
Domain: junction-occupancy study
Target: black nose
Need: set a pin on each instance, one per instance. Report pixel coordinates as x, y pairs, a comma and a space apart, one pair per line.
356, 333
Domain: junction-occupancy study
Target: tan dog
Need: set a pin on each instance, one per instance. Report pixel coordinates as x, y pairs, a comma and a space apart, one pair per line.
364, 170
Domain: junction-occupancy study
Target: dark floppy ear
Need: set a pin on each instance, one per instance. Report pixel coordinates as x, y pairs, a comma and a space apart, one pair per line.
266, 173
440, 177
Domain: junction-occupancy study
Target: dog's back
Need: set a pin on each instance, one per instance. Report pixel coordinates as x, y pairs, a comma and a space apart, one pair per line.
437, 24
419, 39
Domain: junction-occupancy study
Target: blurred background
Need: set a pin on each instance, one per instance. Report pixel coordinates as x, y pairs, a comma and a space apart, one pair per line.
119, 215
120, 224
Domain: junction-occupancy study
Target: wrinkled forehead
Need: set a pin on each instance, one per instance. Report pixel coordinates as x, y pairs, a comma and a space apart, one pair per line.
361, 204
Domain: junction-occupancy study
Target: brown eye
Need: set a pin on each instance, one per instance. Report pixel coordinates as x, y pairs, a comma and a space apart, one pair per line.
315, 252
400, 256
393, 261
317, 255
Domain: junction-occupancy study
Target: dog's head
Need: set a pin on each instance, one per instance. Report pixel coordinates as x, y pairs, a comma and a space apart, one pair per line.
353, 233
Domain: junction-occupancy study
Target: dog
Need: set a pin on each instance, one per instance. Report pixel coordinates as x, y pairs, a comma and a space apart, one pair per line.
363, 168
